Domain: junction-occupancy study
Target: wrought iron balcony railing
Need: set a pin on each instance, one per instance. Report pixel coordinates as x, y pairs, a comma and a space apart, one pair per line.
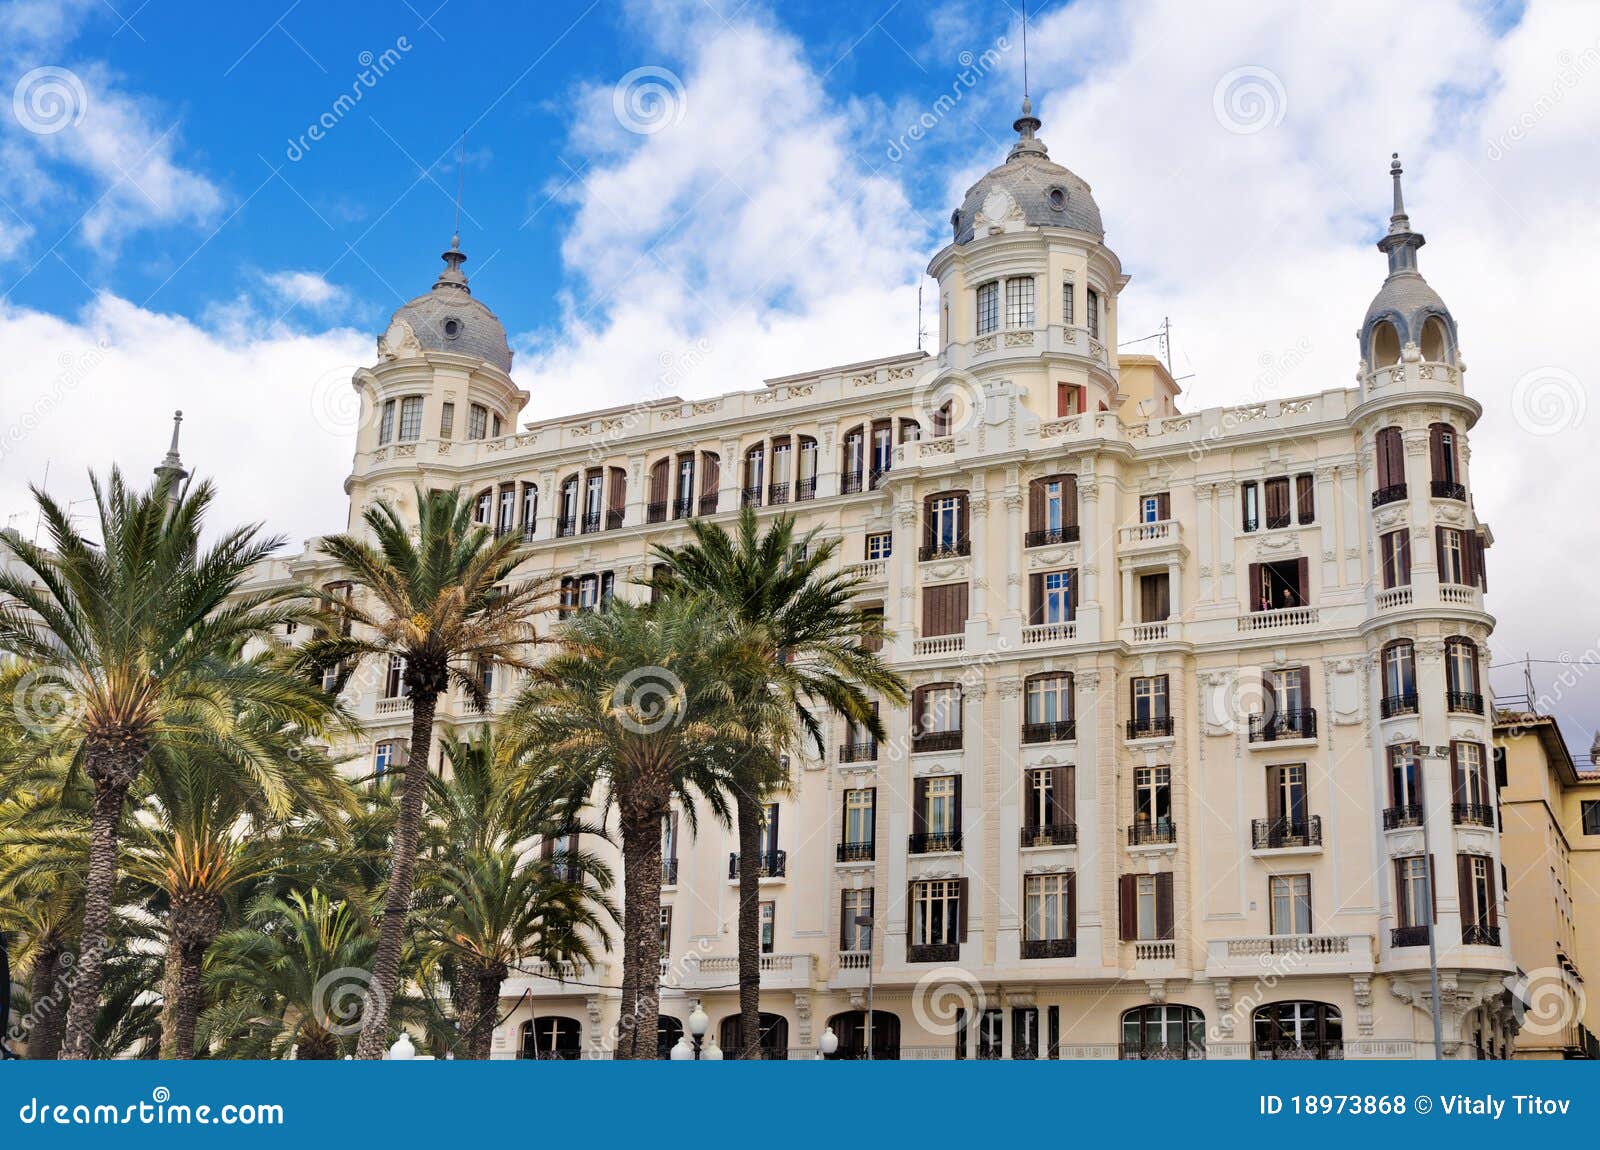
1393, 705
948, 549
1049, 835
1150, 727
1059, 731
1464, 702
934, 842
1408, 815
1301, 724
1472, 814
863, 752
1048, 536
856, 852
1445, 489
1279, 834
1390, 494
1409, 936
936, 741
774, 864
1049, 947
1480, 934
1148, 833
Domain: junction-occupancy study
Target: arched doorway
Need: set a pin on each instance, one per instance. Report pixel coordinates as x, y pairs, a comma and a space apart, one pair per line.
552, 1036
1309, 1030
668, 1031
1163, 1032
774, 1036
850, 1028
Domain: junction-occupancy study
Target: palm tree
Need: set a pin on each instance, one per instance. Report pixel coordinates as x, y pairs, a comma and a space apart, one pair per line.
633, 711
487, 904
131, 644
442, 604
815, 649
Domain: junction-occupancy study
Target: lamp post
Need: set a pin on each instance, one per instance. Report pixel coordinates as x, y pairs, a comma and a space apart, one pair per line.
829, 1042
865, 920
698, 1024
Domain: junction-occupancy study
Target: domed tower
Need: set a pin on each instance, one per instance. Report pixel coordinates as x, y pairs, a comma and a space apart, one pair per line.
442, 382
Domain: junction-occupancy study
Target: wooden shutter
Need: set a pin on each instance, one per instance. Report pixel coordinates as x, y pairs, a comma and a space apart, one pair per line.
944, 609
1127, 907
964, 895
1388, 545
1165, 919
1483, 570
1433, 886
1255, 587
1164, 505
1436, 451
1036, 504
955, 800
1403, 558
1036, 597
1305, 498
1274, 793
710, 474
1458, 777
1491, 912
1069, 500
1391, 458
1469, 558
1072, 904
1063, 788
658, 480
927, 521
1269, 696
1303, 577
618, 495
911, 920
1438, 550
844, 923
919, 806
1465, 892
1277, 502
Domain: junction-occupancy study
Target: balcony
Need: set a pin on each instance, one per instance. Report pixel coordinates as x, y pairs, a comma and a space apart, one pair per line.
774, 864
936, 741
399, 705
850, 483
778, 972
1278, 618
669, 872
1285, 834
1409, 936
1398, 818
1280, 954
777, 493
1060, 731
933, 952
855, 852
1162, 533
708, 503
1049, 633
1051, 835
614, 518
1393, 705
1458, 594
1050, 536
1155, 950
934, 842
1150, 727
939, 645
869, 571
1301, 724
1049, 948
1464, 702
1161, 1051
591, 522
1479, 934
1444, 489
805, 489
948, 549
1151, 632
683, 507
1158, 833
566, 526
1392, 598
863, 752
751, 497
1393, 493
656, 512
1472, 814
1309, 1050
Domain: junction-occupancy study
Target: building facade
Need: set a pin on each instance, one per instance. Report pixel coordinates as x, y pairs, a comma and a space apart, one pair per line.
1550, 844
1197, 695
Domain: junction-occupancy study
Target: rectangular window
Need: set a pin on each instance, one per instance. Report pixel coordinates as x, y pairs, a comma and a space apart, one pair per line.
1471, 783
1147, 902
880, 545
1152, 797
941, 710
1155, 598
769, 927
1250, 505
769, 831
495, 429
1070, 399
1589, 810
1276, 491
936, 912
988, 308
1155, 508
1411, 876
1094, 314
946, 524
1019, 302
508, 511
1149, 699
1046, 910
1478, 911
447, 420
1291, 903
1055, 598
1305, 499
1049, 699
666, 931
1405, 782
383, 758
882, 451
860, 807
939, 805
394, 683
477, 421
1394, 549
1286, 801
1066, 303
1041, 798
1452, 568
855, 935
386, 423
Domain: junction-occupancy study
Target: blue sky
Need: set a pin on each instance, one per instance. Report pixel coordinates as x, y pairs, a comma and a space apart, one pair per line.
168, 240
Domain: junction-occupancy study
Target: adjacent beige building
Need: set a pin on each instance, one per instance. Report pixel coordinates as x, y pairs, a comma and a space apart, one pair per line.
1198, 694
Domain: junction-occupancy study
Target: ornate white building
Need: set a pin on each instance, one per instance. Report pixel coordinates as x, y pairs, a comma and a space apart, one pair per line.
1192, 689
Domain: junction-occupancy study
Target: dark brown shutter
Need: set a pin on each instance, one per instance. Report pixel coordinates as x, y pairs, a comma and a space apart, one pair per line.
1391, 458
1490, 912
1127, 907
1469, 558
1036, 504
1303, 575
1036, 598
1436, 450
1072, 904
1483, 570
844, 924
927, 521
1438, 550
1274, 793
961, 516
1062, 788
1269, 696
710, 474
872, 818
1277, 491
1403, 557
658, 480
1069, 500
1471, 913
618, 496
1458, 778
919, 806
1165, 917
1030, 809
911, 917
1255, 587
958, 622
956, 802
1164, 506
964, 894
1305, 497
1388, 545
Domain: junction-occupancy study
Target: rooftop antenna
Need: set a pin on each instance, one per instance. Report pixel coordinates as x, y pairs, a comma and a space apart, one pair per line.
1024, 49
922, 329
461, 172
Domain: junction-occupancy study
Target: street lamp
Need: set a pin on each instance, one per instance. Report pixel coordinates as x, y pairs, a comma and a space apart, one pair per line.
829, 1042
403, 1050
865, 920
698, 1024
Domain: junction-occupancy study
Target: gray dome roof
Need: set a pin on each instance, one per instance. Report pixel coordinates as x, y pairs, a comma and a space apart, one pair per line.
1405, 299
1047, 194
448, 318
1409, 296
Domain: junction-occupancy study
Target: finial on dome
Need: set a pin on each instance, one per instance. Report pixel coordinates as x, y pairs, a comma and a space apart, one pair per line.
1399, 221
1027, 126
1401, 243
453, 277
172, 466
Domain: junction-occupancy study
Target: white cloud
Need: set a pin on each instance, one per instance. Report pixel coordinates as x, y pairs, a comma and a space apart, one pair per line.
305, 289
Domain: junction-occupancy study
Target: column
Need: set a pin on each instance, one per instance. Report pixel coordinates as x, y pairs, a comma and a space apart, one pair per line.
1008, 801
638, 491
1227, 548
1205, 527
1354, 497
905, 556
978, 532
1328, 526
827, 460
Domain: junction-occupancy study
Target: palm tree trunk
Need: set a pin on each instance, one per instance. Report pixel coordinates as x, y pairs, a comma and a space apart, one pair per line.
641, 862
191, 991
113, 775
169, 996
627, 1010
46, 1010
748, 816
466, 1000
319, 1046
481, 1041
402, 873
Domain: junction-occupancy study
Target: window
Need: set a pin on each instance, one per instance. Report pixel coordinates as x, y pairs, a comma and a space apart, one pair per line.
1276, 491
769, 927
508, 511
936, 917
1479, 915
1286, 805
1094, 314
988, 308
880, 545
1019, 302
1399, 678
944, 609
1155, 508
1163, 1032
410, 419
1280, 584
386, 423
855, 457
1147, 900
1461, 675
882, 450
530, 508
1066, 303
1405, 784
1250, 505
855, 935
1071, 399
807, 488
860, 812
945, 526
1152, 801
1048, 698
1150, 705
1470, 792
666, 931
1052, 510
938, 803
669, 848
1589, 812
483, 508
936, 710
496, 427
1145, 907
1047, 907
1452, 557
1391, 452
447, 420
1155, 597
1394, 548
782, 458
1297, 1030
477, 421
386, 756
1290, 899
1049, 815
1412, 900
553, 1037
1442, 457
394, 682
1050, 596
1305, 499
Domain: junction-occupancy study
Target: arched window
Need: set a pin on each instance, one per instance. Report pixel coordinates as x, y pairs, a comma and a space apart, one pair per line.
483, 507
774, 1037
944, 526
755, 474
1163, 1031
936, 717
1385, 345
1442, 458
1048, 708
1399, 678
1461, 675
850, 1028
660, 478
567, 515
552, 1036
805, 485
853, 466
910, 431
710, 481
1297, 1030
668, 1031
530, 509
1391, 451
1436, 341
1052, 510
